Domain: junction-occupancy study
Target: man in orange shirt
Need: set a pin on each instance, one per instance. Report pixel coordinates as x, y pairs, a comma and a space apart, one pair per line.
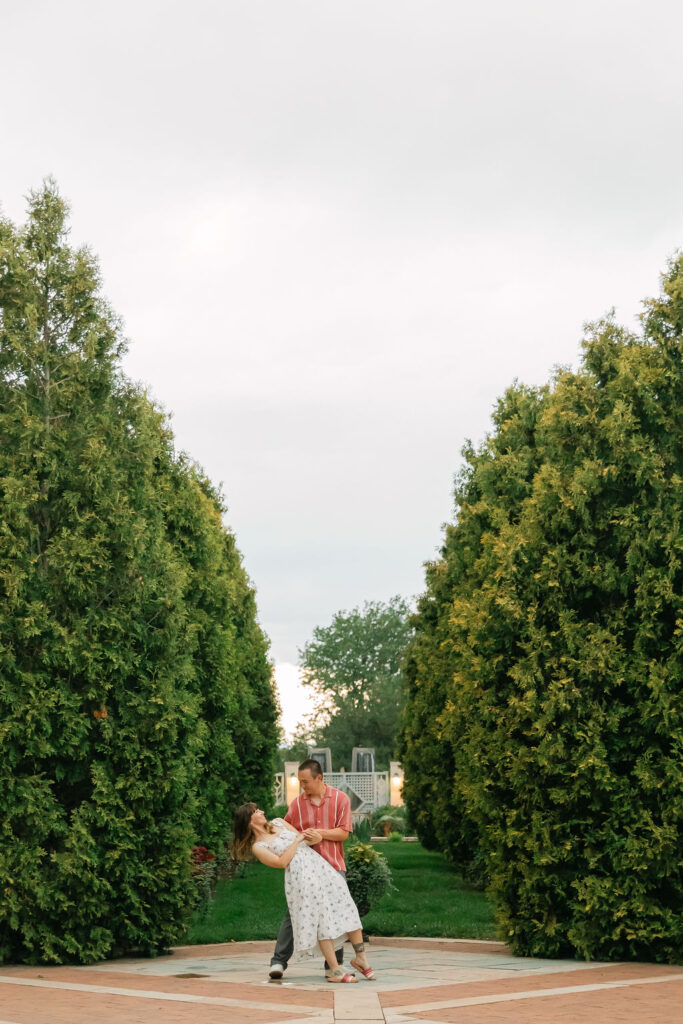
323, 814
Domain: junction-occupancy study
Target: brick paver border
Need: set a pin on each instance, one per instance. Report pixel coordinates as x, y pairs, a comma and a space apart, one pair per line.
540, 992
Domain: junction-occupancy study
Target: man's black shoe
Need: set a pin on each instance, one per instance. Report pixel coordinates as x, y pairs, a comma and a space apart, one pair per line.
276, 971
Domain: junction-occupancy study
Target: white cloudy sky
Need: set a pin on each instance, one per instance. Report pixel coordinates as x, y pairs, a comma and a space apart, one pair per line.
337, 231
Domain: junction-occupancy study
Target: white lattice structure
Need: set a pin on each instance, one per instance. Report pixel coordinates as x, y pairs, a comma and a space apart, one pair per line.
279, 789
366, 790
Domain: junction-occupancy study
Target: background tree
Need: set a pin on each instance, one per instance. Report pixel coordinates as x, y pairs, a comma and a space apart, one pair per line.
104, 664
353, 668
232, 674
554, 622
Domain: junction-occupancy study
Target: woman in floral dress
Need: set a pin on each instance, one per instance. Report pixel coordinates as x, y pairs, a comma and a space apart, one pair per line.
320, 905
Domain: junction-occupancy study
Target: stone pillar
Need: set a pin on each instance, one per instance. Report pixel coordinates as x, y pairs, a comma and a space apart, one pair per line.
291, 781
395, 784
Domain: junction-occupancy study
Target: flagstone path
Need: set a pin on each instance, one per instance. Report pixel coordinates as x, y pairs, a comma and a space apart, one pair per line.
420, 981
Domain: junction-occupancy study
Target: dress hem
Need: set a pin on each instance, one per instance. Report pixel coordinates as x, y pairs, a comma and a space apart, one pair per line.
300, 954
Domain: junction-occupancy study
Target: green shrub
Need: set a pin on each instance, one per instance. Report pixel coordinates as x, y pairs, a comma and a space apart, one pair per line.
368, 876
361, 831
387, 823
549, 655
394, 812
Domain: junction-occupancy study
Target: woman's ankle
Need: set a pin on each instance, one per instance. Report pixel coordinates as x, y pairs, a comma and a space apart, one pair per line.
359, 950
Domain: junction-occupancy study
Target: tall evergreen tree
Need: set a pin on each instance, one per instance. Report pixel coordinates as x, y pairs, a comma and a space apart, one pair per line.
561, 703
232, 675
488, 494
103, 683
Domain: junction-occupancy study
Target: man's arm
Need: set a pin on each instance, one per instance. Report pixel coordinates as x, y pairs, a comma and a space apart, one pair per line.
337, 835
342, 824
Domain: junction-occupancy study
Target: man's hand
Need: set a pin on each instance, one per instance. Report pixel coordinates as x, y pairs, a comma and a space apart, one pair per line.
312, 836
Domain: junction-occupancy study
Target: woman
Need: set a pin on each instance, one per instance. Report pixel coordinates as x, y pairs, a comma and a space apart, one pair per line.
320, 905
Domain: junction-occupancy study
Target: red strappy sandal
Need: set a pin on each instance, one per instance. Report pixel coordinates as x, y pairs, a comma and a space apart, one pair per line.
347, 979
367, 972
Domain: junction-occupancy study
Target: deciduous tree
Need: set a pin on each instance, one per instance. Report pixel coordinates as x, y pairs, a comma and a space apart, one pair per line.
354, 670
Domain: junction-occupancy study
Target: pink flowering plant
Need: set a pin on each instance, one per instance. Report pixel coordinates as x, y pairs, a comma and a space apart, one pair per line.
203, 867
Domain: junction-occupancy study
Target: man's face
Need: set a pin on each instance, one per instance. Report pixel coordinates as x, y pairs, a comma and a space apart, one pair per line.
311, 785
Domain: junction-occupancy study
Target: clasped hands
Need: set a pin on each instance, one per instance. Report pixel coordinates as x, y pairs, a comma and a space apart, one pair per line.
311, 836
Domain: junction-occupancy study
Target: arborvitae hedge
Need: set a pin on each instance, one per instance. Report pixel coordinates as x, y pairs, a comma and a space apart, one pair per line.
430, 762
549, 649
232, 673
105, 660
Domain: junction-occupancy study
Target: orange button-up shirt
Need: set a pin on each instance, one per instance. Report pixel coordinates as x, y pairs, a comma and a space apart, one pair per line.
334, 811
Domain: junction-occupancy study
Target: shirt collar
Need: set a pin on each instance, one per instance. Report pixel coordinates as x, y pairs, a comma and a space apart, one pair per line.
326, 795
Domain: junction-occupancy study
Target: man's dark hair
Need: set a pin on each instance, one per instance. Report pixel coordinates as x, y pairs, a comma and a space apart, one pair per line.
314, 767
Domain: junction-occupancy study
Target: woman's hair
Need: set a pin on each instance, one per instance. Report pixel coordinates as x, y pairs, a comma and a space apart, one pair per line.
243, 837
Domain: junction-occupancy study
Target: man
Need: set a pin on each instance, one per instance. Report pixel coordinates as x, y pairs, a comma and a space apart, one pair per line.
323, 814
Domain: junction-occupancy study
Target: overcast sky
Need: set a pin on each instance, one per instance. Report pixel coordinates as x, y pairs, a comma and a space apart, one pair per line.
337, 231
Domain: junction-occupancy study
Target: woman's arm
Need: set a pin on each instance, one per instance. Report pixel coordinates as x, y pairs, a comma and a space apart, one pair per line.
337, 835
273, 860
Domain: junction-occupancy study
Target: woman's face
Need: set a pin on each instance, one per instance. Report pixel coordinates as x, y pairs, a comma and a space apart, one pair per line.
258, 818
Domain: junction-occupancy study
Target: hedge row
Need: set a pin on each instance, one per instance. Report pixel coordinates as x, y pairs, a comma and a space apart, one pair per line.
136, 705
543, 733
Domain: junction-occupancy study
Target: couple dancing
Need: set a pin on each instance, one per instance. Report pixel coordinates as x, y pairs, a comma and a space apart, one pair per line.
309, 844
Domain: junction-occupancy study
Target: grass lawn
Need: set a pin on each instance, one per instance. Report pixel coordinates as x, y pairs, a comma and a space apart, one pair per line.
430, 899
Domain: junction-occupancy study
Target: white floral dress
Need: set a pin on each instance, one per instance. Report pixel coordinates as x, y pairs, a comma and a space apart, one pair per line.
318, 897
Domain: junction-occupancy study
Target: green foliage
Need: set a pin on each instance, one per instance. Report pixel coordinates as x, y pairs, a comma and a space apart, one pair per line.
362, 832
389, 823
204, 876
396, 813
278, 811
110, 650
232, 675
354, 669
543, 732
387, 819
368, 876
298, 751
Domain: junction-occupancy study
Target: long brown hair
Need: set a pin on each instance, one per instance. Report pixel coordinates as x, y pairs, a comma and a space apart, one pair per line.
243, 837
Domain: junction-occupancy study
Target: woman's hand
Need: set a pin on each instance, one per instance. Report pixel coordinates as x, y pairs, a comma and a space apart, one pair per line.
313, 836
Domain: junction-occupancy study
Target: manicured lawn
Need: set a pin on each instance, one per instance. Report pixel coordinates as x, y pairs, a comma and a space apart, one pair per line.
249, 907
430, 899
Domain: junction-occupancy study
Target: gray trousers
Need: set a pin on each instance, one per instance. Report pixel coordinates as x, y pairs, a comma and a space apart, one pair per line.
284, 946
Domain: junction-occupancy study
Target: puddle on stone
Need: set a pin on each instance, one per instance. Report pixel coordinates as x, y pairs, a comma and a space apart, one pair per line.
191, 975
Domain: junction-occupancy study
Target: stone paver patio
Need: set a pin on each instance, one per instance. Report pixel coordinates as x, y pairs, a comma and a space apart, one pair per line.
419, 981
